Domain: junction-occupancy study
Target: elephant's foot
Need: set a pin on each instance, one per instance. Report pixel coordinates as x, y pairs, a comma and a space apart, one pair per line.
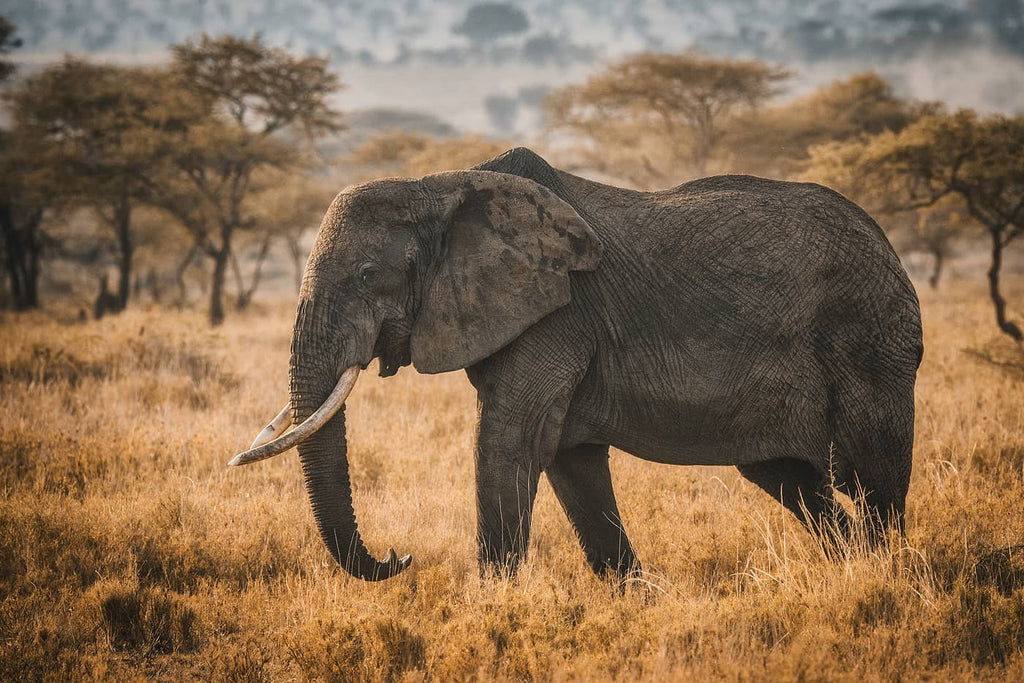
505, 494
621, 571
496, 564
806, 492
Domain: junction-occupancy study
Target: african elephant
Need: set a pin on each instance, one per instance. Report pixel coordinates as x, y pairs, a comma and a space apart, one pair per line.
732, 320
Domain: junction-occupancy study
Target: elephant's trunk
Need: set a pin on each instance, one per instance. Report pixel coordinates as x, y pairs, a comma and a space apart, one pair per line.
324, 458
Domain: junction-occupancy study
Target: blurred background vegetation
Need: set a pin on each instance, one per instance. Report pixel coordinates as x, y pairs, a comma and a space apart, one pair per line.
202, 179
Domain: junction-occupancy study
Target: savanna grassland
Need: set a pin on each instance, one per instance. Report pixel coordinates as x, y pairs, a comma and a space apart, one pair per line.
127, 547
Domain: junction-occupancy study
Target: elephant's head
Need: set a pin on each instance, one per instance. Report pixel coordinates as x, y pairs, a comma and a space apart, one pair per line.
441, 272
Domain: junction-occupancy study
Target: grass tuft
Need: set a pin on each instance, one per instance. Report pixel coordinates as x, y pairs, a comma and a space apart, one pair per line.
148, 621
376, 648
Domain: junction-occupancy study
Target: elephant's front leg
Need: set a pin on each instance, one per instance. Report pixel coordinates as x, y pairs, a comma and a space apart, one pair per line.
505, 487
583, 484
524, 394
519, 432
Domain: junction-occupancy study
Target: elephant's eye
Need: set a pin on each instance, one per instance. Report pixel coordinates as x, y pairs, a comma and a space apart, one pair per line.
368, 275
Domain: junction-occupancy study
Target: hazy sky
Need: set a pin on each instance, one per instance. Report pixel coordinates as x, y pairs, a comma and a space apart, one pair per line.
485, 69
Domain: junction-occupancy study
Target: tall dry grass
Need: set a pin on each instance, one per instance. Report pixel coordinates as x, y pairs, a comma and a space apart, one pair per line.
127, 546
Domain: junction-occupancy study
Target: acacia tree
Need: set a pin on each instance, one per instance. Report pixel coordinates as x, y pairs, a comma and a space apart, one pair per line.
684, 98
98, 131
976, 159
252, 95
775, 140
21, 204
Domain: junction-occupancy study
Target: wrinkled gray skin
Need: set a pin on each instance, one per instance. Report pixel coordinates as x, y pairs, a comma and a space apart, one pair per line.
729, 321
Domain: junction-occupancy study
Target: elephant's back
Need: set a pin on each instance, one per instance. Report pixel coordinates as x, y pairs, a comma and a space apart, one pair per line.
751, 222
748, 256
803, 265
775, 236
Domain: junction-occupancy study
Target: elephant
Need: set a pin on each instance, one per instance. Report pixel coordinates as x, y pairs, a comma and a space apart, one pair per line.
731, 320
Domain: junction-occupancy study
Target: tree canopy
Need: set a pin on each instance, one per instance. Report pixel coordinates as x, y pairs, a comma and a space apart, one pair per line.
253, 94
682, 99
91, 134
775, 140
262, 89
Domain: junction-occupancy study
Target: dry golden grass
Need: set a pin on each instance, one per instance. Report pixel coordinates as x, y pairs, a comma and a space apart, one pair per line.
127, 547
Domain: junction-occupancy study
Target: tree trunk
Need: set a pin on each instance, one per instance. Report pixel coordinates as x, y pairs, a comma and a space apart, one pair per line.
996, 233
179, 273
221, 260
10, 251
936, 268
33, 258
123, 230
154, 285
245, 294
220, 269
22, 253
701, 154
296, 251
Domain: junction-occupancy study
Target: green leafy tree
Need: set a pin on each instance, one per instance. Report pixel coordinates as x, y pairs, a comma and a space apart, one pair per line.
681, 100
978, 160
253, 95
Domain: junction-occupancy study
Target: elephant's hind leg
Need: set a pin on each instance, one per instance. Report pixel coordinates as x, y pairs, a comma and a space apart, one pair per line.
880, 447
873, 417
582, 482
805, 491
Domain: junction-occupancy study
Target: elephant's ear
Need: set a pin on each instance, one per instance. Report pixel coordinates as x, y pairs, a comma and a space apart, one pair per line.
504, 254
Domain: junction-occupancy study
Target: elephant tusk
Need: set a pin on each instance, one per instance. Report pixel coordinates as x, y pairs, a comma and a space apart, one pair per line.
309, 427
276, 426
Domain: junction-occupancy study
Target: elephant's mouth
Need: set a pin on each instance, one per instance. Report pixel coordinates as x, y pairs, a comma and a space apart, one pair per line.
392, 347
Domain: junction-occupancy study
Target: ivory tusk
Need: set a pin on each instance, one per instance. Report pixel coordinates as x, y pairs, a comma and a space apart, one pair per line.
276, 426
309, 427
